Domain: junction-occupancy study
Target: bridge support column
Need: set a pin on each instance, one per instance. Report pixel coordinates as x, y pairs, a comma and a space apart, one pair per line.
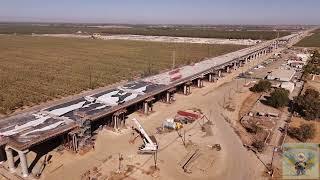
147, 105
228, 69
115, 121
210, 77
240, 64
2, 155
170, 95
118, 118
235, 66
24, 163
219, 73
187, 88
10, 159
199, 83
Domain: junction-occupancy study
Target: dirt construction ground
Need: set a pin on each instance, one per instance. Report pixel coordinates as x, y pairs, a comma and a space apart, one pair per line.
220, 102
232, 162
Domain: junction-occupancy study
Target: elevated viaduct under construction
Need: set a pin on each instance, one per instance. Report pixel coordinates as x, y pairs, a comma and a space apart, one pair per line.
75, 120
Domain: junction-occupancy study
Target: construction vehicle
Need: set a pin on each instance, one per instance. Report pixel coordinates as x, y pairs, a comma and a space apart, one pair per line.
149, 142
171, 124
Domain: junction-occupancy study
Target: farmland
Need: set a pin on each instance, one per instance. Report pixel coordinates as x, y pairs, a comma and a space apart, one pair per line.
203, 33
226, 32
38, 69
311, 41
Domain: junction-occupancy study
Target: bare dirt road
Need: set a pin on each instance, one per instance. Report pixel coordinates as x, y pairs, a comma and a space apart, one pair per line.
232, 162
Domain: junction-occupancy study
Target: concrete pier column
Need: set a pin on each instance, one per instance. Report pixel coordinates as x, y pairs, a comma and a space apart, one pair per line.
219, 73
146, 107
168, 97
185, 89
235, 66
2, 155
228, 69
10, 159
24, 163
199, 83
210, 77
240, 64
115, 122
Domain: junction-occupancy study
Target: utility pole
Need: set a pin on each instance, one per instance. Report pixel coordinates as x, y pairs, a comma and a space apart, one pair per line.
271, 164
173, 59
90, 77
183, 138
120, 159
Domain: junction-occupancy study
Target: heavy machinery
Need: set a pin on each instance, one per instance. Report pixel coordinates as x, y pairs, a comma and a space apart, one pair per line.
149, 142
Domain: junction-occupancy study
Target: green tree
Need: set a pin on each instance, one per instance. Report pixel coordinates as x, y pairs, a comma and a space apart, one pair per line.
303, 132
308, 104
313, 66
278, 98
262, 86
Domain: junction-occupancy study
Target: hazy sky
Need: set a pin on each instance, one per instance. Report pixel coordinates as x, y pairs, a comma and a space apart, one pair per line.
164, 11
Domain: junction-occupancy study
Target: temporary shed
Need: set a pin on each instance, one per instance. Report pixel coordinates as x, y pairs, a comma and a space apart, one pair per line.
288, 86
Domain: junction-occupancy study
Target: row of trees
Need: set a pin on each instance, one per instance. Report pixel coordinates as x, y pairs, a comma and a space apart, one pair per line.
313, 66
193, 32
278, 98
261, 86
307, 105
303, 132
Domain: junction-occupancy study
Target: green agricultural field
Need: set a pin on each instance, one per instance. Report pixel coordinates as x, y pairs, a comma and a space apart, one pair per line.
311, 41
202, 33
37, 69
220, 32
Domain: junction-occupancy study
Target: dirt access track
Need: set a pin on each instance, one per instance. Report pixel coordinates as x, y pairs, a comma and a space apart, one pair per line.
232, 162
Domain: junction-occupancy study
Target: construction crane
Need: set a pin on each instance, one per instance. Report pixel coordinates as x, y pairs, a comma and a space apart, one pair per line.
149, 142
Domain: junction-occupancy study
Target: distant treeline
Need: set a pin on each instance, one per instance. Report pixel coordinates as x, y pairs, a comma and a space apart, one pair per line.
203, 33
152, 31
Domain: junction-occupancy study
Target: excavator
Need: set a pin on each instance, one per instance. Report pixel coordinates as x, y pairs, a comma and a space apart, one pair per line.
149, 142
